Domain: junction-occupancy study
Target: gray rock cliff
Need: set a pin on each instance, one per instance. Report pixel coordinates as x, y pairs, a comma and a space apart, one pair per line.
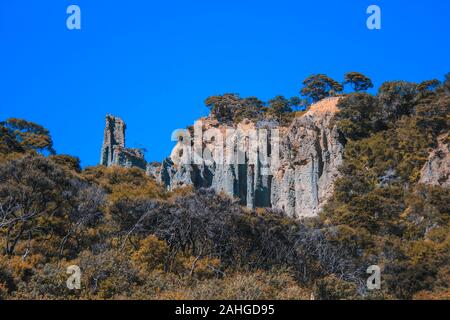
310, 152
288, 168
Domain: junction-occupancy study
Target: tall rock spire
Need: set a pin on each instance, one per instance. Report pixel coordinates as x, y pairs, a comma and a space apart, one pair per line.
114, 135
114, 151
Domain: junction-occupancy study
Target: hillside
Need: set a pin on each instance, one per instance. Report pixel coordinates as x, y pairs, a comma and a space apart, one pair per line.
354, 180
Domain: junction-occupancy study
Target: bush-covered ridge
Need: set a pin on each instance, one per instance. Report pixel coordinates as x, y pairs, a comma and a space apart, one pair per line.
133, 239
231, 108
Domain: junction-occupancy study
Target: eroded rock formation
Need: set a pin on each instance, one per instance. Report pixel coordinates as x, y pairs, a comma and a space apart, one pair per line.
310, 151
289, 168
114, 151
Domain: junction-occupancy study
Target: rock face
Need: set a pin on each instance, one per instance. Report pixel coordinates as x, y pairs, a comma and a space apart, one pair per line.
114, 151
436, 170
297, 179
311, 152
290, 168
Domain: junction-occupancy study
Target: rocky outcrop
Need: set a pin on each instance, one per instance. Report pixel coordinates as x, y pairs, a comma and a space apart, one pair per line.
114, 151
293, 170
288, 168
311, 152
436, 170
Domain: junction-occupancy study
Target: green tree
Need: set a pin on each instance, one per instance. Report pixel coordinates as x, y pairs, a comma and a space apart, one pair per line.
67, 161
39, 199
358, 81
396, 99
230, 107
428, 86
358, 115
29, 135
432, 107
30, 188
320, 86
251, 108
221, 106
279, 107
8, 141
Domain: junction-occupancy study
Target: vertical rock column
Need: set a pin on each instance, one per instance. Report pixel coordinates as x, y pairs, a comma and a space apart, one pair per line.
114, 136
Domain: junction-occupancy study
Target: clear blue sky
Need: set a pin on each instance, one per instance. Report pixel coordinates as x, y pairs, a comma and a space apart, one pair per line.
154, 62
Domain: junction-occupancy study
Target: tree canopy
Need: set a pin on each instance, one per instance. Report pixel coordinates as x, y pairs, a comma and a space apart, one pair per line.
320, 86
358, 81
28, 135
